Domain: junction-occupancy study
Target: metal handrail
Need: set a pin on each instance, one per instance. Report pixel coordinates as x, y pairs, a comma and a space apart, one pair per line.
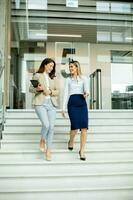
96, 90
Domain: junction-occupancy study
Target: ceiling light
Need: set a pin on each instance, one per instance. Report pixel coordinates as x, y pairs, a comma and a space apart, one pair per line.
64, 35
129, 38
58, 35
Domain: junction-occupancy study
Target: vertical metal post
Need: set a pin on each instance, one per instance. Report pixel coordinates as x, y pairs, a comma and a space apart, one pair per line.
91, 91
98, 89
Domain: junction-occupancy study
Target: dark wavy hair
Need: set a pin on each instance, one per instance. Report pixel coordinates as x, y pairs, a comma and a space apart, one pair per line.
42, 67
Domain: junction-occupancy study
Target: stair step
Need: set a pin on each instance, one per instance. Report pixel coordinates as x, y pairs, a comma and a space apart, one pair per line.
63, 144
16, 135
36, 128
22, 113
66, 181
109, 193
66, 122
74, 167
61, 155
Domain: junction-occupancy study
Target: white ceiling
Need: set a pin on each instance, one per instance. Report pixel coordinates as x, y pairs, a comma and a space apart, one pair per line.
94, 26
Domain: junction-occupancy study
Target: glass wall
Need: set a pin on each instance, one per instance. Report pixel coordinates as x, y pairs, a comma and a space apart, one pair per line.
99, 34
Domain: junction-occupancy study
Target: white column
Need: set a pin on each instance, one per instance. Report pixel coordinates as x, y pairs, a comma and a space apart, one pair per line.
5, 45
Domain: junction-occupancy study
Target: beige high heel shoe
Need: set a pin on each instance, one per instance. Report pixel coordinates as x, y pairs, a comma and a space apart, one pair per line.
42, 145
48, 155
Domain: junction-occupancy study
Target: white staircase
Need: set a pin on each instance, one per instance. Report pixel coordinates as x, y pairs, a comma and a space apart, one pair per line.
106, 175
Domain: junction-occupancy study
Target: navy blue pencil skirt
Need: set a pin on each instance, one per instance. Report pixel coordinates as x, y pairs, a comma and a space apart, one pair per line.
77, 111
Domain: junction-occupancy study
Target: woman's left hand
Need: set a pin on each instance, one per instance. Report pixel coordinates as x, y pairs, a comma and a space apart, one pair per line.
63, 114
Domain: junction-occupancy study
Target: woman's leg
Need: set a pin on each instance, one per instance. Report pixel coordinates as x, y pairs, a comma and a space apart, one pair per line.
71, 140
42, 114
51, 116
83, 139
42, 145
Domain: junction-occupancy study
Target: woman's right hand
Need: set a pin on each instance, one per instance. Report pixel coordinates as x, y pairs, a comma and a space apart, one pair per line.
39, 88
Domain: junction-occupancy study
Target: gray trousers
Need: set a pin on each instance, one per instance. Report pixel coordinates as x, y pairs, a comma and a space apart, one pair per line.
47, 114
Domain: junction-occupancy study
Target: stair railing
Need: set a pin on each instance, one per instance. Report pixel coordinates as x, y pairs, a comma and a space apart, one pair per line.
96, 90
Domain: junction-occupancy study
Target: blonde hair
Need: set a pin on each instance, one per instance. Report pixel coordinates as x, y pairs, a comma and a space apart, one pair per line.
76, 64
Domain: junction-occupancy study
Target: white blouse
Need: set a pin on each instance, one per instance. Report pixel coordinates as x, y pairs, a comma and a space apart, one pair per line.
75, 86
46, 76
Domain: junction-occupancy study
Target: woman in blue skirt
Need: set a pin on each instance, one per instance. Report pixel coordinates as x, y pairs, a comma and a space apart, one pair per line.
75, 92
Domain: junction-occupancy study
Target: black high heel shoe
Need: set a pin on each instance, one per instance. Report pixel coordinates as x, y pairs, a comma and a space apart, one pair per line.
82, 157
70, 148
